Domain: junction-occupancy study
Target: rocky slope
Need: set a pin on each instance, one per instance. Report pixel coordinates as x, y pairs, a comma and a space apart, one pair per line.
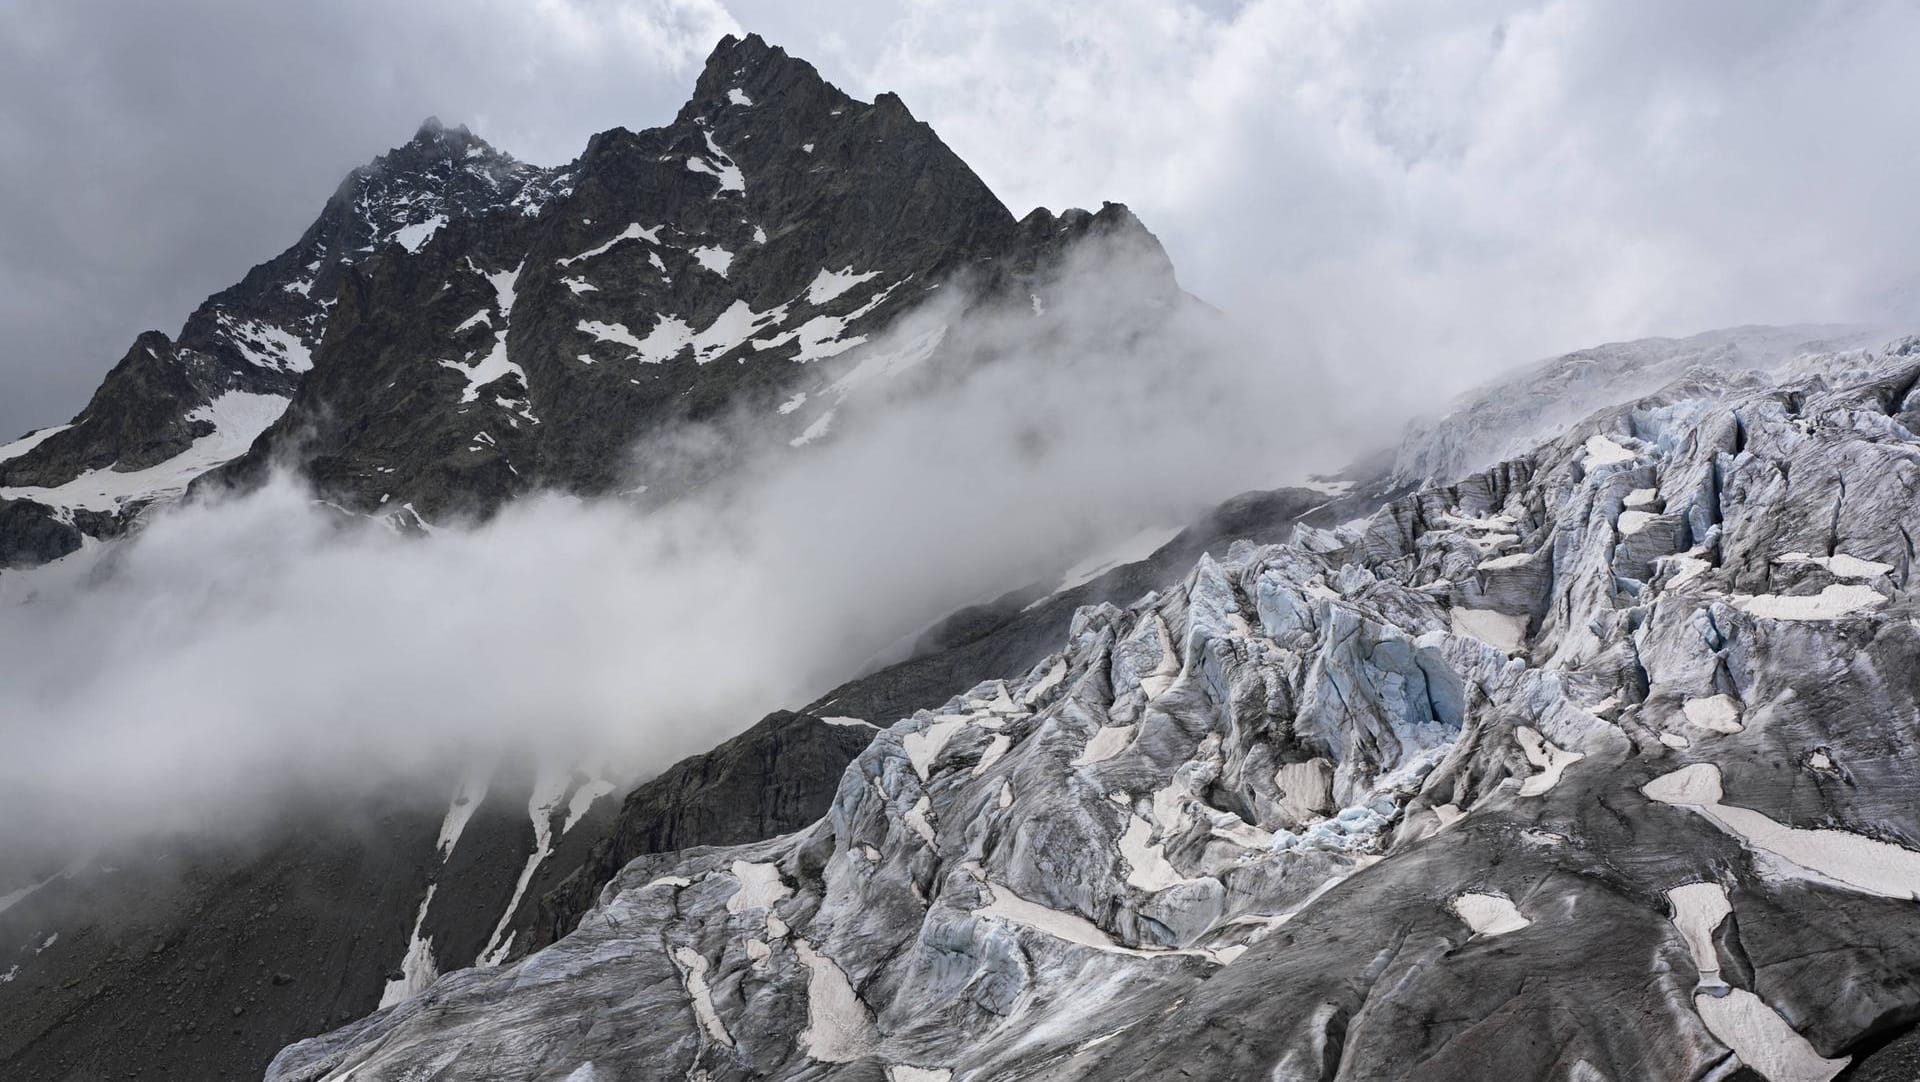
200, 959
1592, 765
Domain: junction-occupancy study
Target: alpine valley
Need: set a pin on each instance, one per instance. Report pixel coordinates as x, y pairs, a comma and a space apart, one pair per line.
1572, 735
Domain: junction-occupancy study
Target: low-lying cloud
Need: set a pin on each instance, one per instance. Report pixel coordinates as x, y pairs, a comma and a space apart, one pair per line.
241, 649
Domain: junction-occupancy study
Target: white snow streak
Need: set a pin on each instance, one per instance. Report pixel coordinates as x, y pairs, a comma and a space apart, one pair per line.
635, 231
264, 345
1497, 629
693, 974
923, 746
1840, 565
1108, 742
1762, 1039
29, 441
495, 364
1542, 753
417, 968
714, 258
839, 1027
1128, 550
411, 237
1004, 904
830, 284
814, 431
1837, 600
238, 418
466, 799
760, 887
1715, 713
549, 784
1602, 451
720, 167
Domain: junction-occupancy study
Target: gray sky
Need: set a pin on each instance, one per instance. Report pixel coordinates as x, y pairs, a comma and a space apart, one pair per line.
1408, 195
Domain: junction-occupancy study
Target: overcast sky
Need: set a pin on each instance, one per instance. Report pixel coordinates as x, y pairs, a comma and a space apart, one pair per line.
1386, 187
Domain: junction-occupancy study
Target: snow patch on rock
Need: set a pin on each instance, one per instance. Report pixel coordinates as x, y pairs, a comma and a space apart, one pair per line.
1488, 914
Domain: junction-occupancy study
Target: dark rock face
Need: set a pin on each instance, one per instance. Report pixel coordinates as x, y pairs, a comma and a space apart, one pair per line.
31, 534
772, 779
196, 960
458, 328
1339, 809
1898, 1060
133, 420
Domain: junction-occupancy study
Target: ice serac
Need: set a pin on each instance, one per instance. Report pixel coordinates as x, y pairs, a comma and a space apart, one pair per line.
1287, 817
1506, 418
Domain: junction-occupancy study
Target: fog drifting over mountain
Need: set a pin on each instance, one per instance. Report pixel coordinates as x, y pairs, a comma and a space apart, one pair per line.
240, 650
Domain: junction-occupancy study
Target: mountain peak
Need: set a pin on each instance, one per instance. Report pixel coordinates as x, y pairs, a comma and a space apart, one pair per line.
742, 70
732, 56
433, 136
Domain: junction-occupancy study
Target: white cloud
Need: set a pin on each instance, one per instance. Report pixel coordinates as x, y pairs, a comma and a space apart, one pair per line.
234, 653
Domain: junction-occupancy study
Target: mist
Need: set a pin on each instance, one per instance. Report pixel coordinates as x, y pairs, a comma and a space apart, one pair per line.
241, 649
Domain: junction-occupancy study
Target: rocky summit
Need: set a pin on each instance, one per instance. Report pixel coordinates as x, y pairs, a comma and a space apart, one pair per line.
1571, 737
458, 328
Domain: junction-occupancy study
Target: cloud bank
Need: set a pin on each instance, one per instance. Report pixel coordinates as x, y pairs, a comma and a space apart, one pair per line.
237, 651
